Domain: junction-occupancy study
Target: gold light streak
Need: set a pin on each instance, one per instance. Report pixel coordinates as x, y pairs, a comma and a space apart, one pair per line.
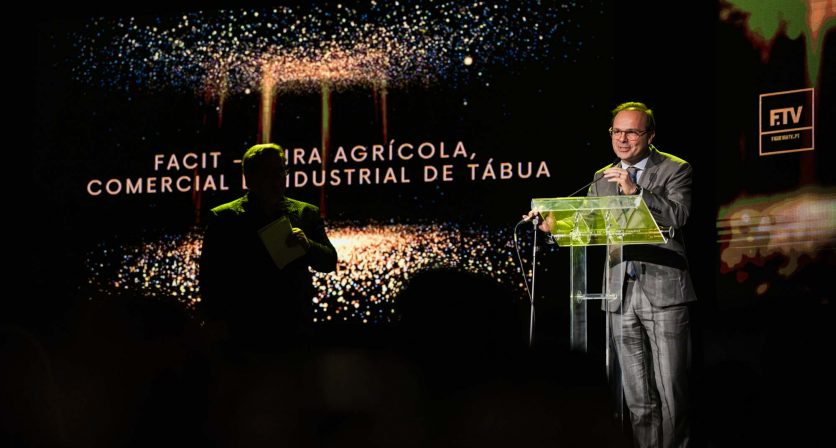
329, 69
268, 98
326, 141
295, 69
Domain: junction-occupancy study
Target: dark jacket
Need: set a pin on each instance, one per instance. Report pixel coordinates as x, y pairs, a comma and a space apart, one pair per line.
240, 284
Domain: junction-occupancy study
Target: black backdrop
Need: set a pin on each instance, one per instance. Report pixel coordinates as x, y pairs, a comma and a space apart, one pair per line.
756, 355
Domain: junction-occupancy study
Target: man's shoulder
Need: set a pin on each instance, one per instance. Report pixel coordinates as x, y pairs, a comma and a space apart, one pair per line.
235, 207
662, 157
297, 206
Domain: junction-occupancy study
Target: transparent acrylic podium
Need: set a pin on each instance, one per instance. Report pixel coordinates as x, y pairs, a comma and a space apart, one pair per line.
611, 221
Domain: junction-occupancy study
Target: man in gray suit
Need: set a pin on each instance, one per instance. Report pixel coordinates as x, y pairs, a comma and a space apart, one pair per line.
651, 325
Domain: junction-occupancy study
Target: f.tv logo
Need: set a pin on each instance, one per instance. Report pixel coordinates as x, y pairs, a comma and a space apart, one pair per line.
786, 121
778, 117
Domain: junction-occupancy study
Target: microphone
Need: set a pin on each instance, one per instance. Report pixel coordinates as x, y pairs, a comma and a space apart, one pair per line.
537, 217
614, 162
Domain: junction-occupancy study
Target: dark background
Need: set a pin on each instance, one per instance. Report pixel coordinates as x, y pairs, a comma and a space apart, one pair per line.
758, 358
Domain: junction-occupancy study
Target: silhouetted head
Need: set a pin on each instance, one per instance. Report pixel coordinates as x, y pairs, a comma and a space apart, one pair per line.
265, 170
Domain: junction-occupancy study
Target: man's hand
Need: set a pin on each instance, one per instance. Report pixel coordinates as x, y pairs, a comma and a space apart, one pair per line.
622, 177
298, 237
543, 224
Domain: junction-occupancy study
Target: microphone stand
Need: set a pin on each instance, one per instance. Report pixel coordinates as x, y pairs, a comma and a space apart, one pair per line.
614, 163
535, 221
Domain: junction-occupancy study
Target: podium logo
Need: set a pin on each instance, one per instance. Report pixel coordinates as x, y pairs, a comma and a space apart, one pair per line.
786, 122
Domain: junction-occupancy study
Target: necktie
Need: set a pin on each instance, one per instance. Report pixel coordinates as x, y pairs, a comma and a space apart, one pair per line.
633, 171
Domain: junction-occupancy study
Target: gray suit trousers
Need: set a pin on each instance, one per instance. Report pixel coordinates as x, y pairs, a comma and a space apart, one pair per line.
653, 347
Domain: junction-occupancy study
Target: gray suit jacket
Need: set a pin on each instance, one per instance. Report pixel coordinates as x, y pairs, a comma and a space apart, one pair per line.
666, 185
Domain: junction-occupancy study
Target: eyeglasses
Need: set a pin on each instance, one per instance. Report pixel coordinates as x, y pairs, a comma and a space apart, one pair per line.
632, 134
